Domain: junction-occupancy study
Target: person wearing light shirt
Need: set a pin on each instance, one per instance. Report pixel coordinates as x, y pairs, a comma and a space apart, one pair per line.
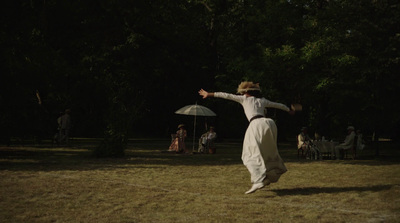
207, 141
260, 152
348, 142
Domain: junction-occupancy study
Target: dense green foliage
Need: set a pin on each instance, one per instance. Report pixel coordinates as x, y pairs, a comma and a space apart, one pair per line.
124, 67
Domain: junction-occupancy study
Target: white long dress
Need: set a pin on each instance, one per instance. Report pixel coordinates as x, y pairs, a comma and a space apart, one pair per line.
260, 151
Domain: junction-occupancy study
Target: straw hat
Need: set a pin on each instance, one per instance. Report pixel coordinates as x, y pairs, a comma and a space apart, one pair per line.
246, 86
181, 125
350, 128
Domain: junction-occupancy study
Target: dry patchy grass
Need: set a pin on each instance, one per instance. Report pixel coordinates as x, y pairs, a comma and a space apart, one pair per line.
44, 184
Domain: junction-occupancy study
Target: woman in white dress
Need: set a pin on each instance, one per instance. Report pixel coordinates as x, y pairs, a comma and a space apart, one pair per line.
260, 152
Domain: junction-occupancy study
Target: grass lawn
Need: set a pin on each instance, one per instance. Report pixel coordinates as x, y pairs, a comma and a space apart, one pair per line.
65, 184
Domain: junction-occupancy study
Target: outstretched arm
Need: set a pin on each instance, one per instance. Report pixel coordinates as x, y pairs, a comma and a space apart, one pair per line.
206, 94
280, 106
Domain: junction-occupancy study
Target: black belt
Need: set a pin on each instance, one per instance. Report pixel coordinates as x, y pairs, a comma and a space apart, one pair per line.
256, 117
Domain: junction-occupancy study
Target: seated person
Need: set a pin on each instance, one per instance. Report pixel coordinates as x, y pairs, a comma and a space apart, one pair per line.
360, 140
348, 142
178, 144
303, 140
317, 136
206, 142
304, 143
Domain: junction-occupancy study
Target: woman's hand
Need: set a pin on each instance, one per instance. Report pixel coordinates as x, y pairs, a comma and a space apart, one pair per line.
203, 93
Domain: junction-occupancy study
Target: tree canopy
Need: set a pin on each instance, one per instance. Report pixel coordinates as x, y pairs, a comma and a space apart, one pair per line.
124, 67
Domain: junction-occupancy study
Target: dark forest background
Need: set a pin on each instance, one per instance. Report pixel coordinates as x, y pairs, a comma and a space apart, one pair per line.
125, 67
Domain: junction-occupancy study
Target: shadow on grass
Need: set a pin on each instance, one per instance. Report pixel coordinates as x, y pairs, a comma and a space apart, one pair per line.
146, 154
139, 154
330, 190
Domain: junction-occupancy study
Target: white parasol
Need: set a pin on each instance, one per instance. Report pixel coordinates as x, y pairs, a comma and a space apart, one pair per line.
195, 110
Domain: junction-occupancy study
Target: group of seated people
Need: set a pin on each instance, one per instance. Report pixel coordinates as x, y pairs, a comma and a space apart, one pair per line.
305, 144
353, 141
206, 141
306, 147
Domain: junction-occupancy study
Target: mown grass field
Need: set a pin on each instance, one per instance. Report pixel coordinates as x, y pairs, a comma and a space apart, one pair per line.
65, 184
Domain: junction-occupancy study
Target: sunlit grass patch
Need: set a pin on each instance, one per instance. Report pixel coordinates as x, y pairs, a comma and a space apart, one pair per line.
148, 185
